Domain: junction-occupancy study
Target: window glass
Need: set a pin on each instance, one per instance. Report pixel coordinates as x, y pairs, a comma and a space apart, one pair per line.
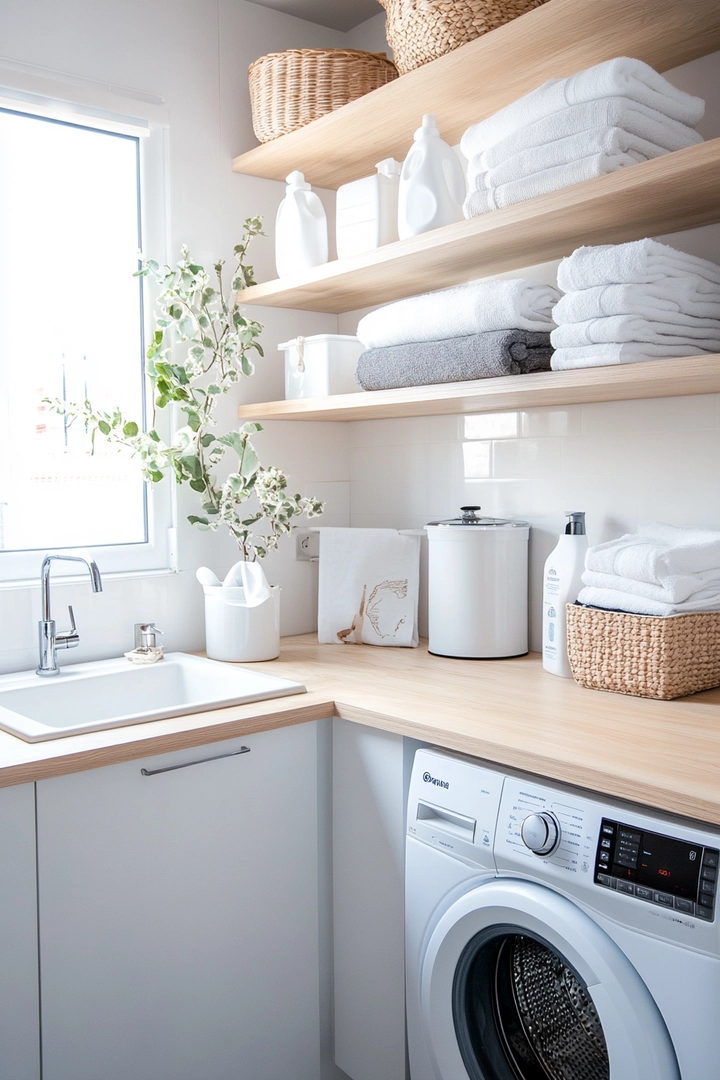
70, 327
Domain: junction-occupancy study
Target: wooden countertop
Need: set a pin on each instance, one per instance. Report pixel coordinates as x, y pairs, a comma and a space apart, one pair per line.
664, 754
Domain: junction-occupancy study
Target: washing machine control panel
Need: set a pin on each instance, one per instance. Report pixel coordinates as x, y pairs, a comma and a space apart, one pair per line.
657, 868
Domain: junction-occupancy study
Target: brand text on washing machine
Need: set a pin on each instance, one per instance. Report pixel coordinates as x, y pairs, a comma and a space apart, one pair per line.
430, 779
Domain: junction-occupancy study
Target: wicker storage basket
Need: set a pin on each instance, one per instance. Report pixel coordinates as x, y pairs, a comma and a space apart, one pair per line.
644, 655
289, 89
421, 30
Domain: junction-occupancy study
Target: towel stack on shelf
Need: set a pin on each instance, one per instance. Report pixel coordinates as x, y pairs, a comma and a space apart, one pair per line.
660, 570
631, 302
612, 115
475, 331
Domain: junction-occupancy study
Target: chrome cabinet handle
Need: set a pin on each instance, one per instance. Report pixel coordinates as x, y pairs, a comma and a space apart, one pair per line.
200, 761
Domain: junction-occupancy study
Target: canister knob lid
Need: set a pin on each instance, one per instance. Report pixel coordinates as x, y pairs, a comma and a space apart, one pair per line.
471, 517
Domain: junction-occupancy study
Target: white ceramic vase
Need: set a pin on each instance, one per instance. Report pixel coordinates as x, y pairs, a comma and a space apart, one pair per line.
237, 632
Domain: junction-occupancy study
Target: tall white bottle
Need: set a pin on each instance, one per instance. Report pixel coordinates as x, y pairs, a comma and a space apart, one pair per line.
432, 183
301, 232
561, 585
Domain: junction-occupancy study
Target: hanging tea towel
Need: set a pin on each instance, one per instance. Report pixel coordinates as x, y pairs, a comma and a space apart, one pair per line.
368, 587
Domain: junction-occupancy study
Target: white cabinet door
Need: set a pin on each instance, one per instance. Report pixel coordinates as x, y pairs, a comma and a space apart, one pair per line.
370, 773
179, 915
19, 1017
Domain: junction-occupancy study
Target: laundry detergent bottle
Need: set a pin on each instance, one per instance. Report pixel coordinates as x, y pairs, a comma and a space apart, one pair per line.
561, 585
301, 232
432, 184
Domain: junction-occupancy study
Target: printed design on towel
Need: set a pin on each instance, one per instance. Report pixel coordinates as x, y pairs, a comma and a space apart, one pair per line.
381, 611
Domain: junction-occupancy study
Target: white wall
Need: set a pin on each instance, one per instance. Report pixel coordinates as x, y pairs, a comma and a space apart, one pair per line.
195, 56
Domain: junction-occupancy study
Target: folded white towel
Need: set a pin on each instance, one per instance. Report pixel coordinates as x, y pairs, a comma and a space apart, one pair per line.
621, 76
543, 182
368, 587
674, 302
616, 329
609, 112
613, 600
511, 304
657, 552
614, 144
629, 352
640, 262
676, 589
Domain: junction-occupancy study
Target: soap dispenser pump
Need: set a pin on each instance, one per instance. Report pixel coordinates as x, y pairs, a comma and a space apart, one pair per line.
301, 232
432, 183
562, 581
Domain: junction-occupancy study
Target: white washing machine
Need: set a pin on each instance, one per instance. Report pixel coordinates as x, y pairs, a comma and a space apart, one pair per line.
554, 935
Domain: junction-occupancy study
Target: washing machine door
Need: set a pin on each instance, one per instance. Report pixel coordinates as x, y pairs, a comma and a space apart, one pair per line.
518, 983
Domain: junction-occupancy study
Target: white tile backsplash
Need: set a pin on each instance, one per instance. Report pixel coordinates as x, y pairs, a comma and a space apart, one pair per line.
623, 463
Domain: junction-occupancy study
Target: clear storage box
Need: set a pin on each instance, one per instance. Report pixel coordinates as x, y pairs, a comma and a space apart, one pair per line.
321, 365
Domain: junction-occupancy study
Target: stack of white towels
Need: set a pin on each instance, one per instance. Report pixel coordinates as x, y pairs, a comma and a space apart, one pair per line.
612, 115
477, 331
659, 570
631, 302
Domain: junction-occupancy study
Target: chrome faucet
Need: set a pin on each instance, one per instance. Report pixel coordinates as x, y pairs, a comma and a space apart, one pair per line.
50, 640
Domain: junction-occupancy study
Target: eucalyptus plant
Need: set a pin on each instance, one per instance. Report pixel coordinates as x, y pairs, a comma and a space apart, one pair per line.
217, 341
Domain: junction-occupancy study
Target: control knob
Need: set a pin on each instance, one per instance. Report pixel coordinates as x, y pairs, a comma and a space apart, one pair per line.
540, 833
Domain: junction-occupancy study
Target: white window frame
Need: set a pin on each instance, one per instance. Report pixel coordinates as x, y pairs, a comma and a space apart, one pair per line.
83, 102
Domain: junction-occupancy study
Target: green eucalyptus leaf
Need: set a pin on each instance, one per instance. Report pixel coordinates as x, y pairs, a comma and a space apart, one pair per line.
104, 427
130, 429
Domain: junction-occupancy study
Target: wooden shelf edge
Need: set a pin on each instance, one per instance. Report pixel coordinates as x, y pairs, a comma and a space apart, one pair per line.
554, 40
667, 194
680, 377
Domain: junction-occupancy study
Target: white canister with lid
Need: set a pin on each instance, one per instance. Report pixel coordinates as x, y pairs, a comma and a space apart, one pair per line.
478, 586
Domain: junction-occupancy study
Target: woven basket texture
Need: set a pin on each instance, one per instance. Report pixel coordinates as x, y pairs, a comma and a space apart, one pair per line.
421, 30
290, 89
643, 655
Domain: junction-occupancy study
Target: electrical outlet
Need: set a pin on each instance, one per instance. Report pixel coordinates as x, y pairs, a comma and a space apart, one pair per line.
307, 545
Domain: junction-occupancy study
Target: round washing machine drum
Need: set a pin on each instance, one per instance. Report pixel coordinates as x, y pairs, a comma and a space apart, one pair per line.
518, 983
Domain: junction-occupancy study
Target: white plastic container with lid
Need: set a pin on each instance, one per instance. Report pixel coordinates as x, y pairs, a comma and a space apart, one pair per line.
432, 183
301, 232
367, 211
562, 581
321, 365
478, 586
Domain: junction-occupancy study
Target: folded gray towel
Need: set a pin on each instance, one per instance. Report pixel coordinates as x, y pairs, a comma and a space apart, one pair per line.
477, 356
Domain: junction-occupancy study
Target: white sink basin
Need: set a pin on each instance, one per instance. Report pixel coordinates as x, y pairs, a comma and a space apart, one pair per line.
114, 693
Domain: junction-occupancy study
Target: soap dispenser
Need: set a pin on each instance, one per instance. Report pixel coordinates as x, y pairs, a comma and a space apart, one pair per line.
432, 183
562, 581
301, 232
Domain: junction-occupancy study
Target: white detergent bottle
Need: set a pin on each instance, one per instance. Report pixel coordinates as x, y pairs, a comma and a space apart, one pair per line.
432, 184
561, 585
301, 232
367, 211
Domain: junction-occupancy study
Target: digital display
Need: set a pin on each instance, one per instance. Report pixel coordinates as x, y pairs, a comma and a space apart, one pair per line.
670, 865
658, 862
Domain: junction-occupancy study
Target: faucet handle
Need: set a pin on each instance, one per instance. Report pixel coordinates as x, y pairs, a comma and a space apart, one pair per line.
68, 639
145, 635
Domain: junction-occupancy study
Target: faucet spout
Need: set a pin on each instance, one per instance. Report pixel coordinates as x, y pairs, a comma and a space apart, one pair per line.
49, 639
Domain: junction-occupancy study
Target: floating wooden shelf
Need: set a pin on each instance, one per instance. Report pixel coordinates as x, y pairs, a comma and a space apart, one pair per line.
652, 379
668, 194
557, 39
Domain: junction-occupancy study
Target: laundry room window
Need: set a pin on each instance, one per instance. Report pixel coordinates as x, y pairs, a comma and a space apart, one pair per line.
71, 328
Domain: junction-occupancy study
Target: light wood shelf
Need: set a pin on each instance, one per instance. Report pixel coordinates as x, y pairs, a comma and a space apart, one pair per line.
668, 194
557, 39
652, 379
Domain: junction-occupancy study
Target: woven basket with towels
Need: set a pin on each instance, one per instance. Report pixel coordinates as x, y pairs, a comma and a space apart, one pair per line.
290, 89
421, 30
642, 655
